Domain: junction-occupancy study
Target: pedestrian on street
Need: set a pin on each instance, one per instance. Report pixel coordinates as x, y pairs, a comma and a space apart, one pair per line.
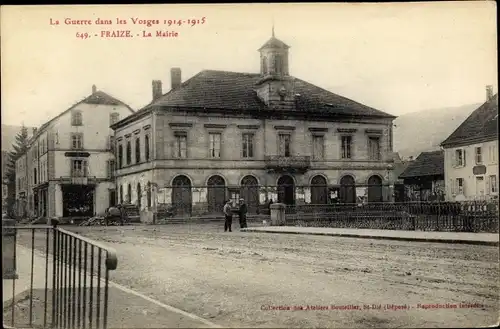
228, 213
122, 214
243, 213
269, 206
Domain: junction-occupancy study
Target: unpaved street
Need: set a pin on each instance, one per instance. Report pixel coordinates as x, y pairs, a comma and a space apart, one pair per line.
235, 279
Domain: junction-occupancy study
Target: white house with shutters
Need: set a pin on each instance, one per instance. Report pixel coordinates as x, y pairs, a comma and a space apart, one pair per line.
70, 160
471, 155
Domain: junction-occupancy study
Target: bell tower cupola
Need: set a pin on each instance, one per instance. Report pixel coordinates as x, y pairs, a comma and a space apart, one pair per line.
275, 86
274, 57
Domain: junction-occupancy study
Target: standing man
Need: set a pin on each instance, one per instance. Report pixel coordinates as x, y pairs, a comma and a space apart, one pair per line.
243, 213
228, 213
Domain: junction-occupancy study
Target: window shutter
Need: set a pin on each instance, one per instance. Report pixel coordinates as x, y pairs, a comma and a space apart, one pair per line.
172, 148
488, 184
85, 168
464, 158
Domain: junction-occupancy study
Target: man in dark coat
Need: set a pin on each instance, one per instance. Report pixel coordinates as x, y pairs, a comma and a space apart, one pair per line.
228, 213
243, 213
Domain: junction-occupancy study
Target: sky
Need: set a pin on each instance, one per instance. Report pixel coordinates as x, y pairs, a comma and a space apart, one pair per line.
396, 57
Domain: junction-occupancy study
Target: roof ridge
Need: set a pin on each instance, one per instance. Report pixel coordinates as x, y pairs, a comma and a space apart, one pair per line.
493, 102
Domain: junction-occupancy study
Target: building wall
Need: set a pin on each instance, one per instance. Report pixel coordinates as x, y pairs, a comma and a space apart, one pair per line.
266, 136
47, 154
452, 171
231, 165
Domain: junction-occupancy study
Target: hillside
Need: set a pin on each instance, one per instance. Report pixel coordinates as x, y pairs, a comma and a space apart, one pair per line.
425, 130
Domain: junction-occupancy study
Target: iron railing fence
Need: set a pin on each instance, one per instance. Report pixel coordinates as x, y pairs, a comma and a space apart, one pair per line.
65, 282
193, 201
466, 216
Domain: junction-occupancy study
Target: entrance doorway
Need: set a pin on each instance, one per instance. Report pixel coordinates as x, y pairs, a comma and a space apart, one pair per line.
347, 190
375, 189
112, 198
250, 192
216, 194
480, 186
286, 190
182, 195
319, 190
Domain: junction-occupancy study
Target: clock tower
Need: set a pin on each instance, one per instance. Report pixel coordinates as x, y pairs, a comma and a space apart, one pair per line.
275, 86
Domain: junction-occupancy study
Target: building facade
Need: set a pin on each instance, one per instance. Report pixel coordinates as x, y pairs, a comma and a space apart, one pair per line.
471, 155
262, 136
70, 160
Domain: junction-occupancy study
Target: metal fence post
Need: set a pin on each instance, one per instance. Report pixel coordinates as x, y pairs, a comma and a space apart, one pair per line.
9, 250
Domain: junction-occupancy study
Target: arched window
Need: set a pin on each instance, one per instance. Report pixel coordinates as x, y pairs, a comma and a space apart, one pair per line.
264, 65
129, 153
137, 150
139, 195
120, 156
129, 194
146, 147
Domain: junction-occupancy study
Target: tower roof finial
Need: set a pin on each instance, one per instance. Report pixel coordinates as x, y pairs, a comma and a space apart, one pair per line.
273, 29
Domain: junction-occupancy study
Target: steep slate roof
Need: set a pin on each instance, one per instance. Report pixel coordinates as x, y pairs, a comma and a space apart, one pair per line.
481, 125
426, 164
98, 98
234, 90
274, 43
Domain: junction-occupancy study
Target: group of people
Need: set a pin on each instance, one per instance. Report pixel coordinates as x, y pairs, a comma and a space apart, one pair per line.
228, 213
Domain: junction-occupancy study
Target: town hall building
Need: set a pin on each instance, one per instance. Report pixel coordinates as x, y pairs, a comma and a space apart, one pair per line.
261, 136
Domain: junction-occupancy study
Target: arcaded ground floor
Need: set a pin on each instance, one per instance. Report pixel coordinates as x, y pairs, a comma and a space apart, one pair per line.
205, 191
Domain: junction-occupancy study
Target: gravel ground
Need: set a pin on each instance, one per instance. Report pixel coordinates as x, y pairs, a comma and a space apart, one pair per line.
235, 279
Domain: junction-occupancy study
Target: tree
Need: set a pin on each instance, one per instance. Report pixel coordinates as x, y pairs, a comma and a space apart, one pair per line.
19, 148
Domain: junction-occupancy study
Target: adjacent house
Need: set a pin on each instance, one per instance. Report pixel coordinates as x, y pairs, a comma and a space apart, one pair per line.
70, 160
471, 154
423, 178
259, 136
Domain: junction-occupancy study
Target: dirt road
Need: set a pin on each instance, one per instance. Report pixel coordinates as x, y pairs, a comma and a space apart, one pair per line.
279, 280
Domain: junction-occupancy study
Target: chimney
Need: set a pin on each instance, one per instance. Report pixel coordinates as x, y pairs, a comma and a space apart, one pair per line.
94, 89
175, 77
157, 89
489, 92
34, 131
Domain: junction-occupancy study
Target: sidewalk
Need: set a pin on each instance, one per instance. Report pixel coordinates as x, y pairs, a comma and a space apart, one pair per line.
490, 239
127, 308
